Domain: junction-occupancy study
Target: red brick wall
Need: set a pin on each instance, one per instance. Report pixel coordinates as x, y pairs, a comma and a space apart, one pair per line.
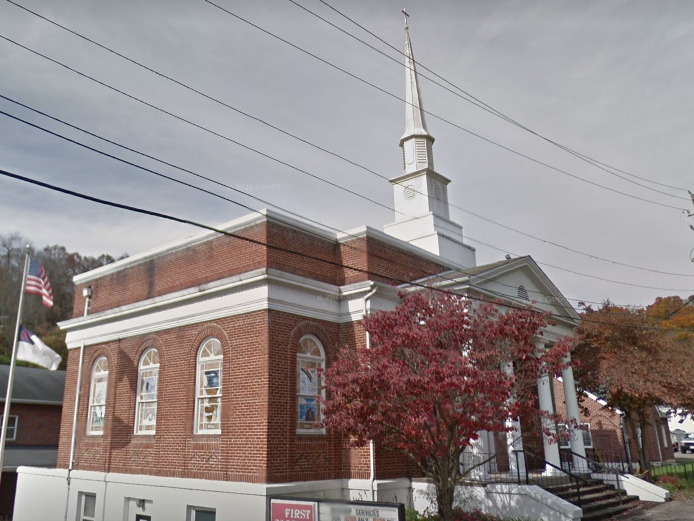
608, 439
259, 442
238, 454
37, 424
212, 260
227, 256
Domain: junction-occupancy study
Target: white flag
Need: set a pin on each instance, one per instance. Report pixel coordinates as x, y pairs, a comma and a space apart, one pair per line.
31, 349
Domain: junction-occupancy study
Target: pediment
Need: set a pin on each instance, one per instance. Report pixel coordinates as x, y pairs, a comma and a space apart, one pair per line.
504, 280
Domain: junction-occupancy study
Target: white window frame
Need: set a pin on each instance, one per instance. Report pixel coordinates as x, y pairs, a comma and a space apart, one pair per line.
211, 362
12, 424
193, 511
148, 367
302, 358
80, 511
566, 444
98, 372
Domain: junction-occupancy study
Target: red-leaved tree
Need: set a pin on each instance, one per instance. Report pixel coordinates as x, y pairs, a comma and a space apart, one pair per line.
436, 373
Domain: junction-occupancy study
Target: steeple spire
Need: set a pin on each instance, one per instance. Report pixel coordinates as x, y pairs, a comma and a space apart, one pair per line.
416, 142
420, 193
415, 122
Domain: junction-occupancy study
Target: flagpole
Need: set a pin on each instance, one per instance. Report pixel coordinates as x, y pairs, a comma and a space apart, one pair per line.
10, 379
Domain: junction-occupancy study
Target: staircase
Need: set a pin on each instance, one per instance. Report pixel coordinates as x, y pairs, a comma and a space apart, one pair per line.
598, 501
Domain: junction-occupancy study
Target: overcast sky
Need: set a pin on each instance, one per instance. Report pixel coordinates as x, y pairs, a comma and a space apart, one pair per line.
611, 80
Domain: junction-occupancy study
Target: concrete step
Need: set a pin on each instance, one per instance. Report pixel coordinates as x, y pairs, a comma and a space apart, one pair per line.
598, 501
607, 503
606, 513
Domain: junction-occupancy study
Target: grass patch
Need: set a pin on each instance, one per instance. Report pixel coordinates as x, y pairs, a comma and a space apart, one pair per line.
679, 488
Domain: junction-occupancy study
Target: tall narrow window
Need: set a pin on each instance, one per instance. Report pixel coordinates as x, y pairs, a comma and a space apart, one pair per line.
208, 401
147, 384
310, 360
97, 397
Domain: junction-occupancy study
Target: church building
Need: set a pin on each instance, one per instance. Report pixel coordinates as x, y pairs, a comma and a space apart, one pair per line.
192, 372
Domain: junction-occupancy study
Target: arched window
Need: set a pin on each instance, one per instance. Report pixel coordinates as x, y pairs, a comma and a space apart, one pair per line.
146, 400
310, 360
208, 385
97, 397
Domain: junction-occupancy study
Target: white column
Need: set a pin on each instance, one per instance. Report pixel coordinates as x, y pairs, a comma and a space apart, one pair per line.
514, 441
477, 452
572, 413
544, 393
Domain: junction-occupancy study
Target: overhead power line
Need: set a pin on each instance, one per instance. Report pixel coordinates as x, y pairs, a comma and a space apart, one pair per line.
294, 136
440, 118
222, 136
288, 250
191, 172
245, 206
478, 102
578, 272
670, 315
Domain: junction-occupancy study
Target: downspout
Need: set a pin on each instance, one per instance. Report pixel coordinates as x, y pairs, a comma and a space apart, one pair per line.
87, 292
626, 440
372, 457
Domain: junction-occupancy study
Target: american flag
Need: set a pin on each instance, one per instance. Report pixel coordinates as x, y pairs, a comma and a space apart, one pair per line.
37, 282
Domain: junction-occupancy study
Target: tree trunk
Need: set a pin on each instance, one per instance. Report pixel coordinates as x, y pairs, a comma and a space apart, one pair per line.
445, 492
644, 462
643, 454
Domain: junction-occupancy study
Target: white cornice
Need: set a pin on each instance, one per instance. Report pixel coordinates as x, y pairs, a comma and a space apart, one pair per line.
254, 291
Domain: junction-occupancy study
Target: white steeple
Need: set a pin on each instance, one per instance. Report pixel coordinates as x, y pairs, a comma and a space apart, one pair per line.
421, 194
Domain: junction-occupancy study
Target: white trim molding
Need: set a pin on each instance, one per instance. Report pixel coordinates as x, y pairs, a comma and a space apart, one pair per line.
263, 289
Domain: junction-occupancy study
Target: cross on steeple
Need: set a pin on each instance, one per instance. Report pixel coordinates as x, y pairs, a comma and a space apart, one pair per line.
404, 11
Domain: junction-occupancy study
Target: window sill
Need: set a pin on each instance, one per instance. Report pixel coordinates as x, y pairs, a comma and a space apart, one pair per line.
144, 433
304, 432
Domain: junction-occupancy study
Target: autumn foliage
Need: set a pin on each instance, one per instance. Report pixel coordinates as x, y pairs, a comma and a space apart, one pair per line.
633, 364
437, 372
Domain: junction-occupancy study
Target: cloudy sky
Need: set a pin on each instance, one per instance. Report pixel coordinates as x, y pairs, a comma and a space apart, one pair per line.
611, 80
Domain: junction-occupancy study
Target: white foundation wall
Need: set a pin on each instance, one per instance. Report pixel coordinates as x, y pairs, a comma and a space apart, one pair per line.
43, 495
503, 500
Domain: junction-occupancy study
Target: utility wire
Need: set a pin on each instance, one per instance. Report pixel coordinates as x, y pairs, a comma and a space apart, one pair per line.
577, 272
239, 191
476, 101
226, 138
290, 251
668, 317
294, 136
395, 96
169, 178
148, 170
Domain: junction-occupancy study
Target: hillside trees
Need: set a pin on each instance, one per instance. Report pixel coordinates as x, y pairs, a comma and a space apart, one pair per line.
674, 313
61, 266
436, 373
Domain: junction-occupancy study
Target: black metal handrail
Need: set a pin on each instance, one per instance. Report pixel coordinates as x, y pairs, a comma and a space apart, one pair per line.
594, 466
569, 477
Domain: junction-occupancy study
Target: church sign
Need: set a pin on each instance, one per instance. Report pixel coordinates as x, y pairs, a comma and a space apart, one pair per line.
331, 510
